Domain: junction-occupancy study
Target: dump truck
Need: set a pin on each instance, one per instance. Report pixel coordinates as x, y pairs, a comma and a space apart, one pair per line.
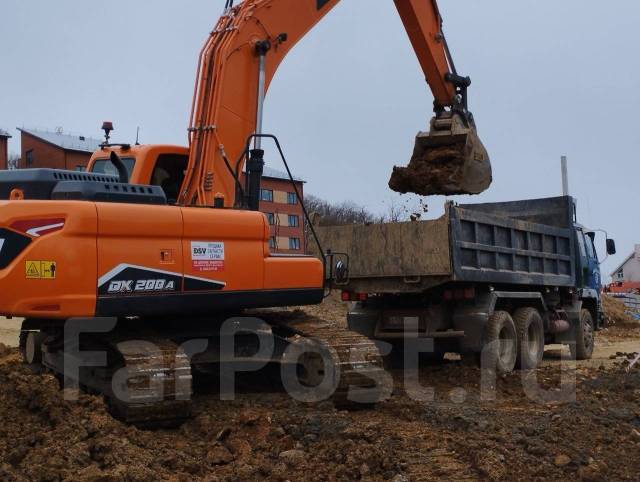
500, 280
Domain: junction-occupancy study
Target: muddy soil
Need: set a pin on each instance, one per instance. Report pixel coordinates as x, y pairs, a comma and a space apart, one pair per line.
10, 330
432, 173
459, 433
617, 314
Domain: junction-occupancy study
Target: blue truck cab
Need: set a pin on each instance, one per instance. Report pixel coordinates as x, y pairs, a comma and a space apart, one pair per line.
588, 274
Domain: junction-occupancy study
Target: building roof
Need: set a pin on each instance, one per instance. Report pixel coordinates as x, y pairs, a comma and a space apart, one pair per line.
629, 258
65, 141
87, 144
4, 133
272, 173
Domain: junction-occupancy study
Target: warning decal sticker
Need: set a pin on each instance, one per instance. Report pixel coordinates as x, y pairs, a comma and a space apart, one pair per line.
207, 256
40, 269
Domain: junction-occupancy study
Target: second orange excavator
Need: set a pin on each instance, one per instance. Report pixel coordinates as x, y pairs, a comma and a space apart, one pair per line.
169, 243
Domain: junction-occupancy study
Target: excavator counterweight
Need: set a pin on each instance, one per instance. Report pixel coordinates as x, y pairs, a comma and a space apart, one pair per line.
449, 159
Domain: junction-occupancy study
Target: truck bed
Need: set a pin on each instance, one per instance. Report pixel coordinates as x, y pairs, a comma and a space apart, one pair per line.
522, 242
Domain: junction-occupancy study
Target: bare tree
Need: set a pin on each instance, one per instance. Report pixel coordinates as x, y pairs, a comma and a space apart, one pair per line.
14, 162
328, 214
409, 209
324, 213
395, 212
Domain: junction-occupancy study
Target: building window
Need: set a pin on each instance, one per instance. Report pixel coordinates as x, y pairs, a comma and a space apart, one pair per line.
272, 243
80, 168
294, 221
291, 198
294, 244
266, 195
271, 218
29, 158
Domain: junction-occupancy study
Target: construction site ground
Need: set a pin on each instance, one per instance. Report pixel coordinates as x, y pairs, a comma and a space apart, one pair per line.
264, 434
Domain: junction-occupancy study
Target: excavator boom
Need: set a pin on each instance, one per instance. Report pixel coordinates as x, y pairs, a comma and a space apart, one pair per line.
238, 63
450, 158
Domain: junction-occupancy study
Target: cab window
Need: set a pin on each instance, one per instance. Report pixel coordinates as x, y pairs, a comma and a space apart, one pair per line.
105, 166
591, 251
168, 173
581, 246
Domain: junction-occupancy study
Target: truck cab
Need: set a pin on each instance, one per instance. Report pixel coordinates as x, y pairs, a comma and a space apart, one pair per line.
588, 275
589, 272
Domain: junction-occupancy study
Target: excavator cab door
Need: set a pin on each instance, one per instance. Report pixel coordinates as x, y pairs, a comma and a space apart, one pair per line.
168, 173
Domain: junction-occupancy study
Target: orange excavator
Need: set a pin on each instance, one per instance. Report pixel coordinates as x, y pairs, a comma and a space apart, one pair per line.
168, 241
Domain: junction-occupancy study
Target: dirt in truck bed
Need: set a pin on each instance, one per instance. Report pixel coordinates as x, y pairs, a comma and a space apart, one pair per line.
264, 434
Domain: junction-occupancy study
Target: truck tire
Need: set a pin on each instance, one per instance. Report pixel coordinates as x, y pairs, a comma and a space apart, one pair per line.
500, 344
582, 349
530, 332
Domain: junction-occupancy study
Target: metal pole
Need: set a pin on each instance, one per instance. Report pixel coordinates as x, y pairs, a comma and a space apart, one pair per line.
565, 176
255, 162
261, 95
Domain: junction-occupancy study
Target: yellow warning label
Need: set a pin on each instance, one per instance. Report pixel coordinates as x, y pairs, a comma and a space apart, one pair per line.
40, 269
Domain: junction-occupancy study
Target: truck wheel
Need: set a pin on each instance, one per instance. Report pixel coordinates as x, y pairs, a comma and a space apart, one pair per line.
530, 330
582, 349
500, 347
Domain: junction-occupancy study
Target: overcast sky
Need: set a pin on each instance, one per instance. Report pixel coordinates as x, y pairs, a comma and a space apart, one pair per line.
550, 77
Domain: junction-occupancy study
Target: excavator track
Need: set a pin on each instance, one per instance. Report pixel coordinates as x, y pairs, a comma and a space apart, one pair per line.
146, 382
157, 383
358, 369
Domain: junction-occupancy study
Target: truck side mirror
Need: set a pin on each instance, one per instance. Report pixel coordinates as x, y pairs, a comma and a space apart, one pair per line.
611, 247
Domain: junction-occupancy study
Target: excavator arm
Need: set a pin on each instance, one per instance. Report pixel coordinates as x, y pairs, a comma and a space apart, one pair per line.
238, 63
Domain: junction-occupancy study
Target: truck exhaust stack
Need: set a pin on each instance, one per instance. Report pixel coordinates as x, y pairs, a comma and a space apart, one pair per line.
449, 159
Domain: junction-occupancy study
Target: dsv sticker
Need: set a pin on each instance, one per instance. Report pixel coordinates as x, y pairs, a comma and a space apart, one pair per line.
141, 286
207, 256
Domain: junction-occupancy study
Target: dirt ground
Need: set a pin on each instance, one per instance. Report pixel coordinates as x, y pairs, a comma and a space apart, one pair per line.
9, 331
264, 434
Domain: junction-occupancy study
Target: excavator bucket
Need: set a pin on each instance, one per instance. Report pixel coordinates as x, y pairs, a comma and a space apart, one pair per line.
449, 159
